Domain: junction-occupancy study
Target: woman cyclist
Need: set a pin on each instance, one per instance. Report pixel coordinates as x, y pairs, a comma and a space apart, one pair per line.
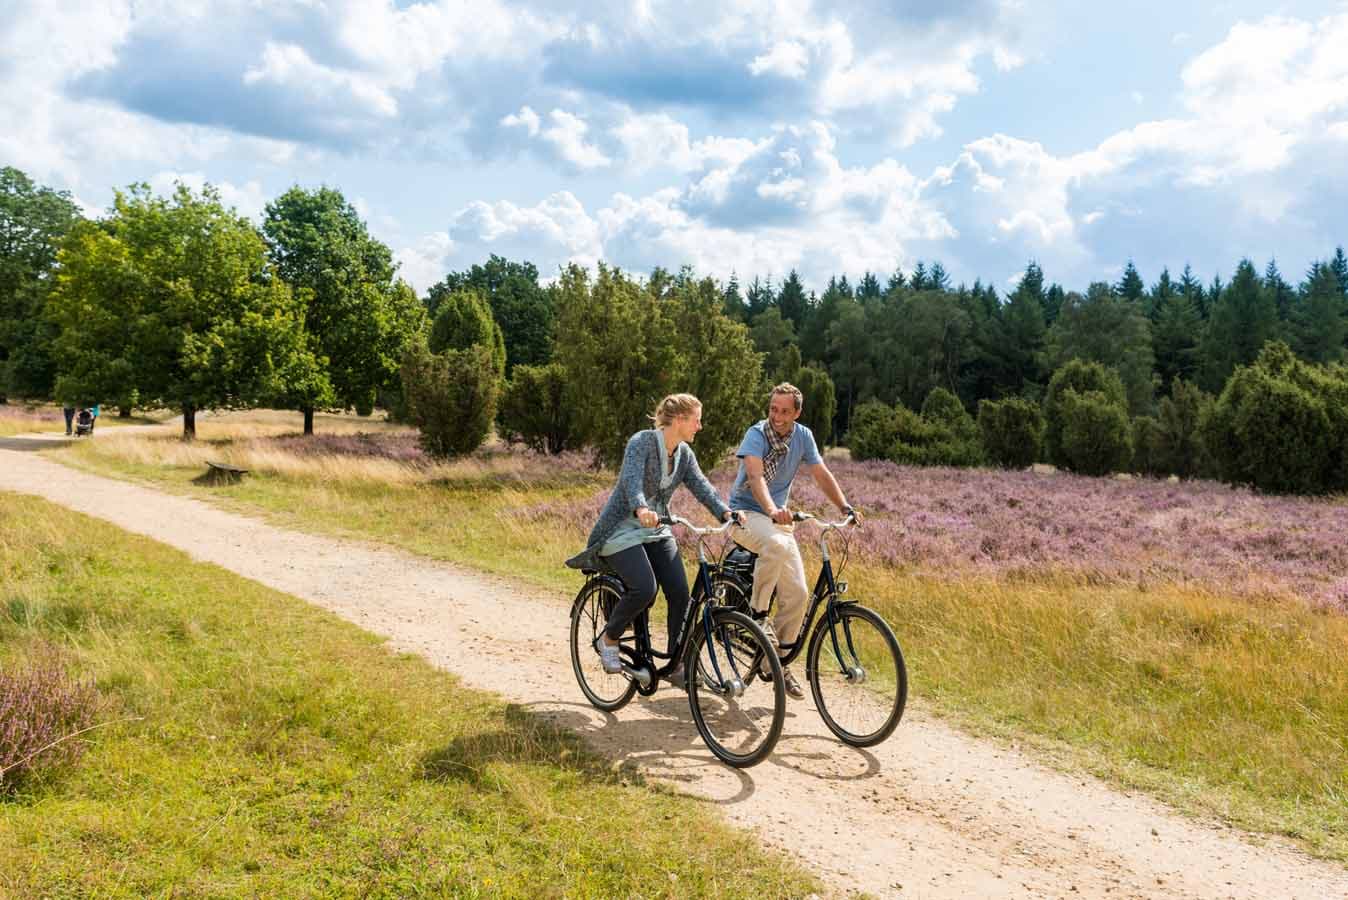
629, 537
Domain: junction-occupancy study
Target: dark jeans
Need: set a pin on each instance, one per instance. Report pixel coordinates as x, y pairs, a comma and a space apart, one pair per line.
640, 567
70, 417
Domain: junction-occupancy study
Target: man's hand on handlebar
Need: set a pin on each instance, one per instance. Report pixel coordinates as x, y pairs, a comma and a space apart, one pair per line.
854, 513
782, 516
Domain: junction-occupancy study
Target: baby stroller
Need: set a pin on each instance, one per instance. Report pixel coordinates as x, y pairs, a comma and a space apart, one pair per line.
84, 422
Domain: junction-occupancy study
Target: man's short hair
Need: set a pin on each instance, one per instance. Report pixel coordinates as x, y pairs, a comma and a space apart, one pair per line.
790, 389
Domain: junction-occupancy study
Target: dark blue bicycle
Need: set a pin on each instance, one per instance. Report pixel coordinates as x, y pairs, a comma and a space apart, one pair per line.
733, 677
852, 659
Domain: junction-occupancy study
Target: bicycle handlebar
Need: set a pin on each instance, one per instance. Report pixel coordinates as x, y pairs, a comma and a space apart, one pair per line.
799, 516
696, 529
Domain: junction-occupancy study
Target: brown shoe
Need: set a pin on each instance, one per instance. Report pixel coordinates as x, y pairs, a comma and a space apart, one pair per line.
793, 688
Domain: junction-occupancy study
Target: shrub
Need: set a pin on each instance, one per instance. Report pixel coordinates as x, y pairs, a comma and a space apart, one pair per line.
1012, 431
1281, 425
1148, 456
41, 708
1181, 450
819, 401
921, 442
1095, 436
874, 430
952, 435
464, 320
1082, 377
451, 397
534, 409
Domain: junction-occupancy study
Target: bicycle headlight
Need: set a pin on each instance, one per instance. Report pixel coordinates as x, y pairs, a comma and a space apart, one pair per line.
842, 586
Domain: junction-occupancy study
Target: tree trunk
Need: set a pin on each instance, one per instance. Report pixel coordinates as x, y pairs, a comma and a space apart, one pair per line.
309, 421
189, 422
123, 412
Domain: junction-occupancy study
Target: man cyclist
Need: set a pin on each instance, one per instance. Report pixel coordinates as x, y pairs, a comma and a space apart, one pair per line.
772, 451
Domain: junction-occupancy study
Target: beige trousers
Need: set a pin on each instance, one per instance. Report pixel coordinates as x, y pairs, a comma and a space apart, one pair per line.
779, 569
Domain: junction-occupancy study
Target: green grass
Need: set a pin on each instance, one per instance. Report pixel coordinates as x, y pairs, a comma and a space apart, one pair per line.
263, 747
1224, 707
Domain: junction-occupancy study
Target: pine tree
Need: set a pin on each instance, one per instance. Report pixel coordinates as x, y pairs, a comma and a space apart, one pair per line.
1320, 317
868, 288
1176, 327
918, 280
1053, 301
732, 304
896, 281
1191, 287
758, 298
1242, 320
1281, 291
1339, 266
1130, 286
1161, 291
937, 279
791, 301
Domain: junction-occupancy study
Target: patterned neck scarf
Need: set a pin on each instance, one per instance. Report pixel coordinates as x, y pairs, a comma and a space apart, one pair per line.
778, 447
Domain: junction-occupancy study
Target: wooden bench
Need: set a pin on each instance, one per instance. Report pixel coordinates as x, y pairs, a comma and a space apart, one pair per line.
223, 473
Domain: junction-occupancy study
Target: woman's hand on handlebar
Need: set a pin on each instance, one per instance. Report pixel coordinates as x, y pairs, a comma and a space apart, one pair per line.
647, 517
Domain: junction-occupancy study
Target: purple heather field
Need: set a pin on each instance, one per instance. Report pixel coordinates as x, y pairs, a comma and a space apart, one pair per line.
1024, 524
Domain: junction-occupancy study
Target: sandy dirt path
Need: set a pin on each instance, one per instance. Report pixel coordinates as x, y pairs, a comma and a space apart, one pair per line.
931, 813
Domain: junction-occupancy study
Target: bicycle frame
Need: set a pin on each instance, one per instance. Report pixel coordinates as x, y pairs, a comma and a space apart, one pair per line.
642, 655
826, 588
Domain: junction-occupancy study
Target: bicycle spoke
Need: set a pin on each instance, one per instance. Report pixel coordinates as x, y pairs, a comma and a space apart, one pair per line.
739, 715
857, 676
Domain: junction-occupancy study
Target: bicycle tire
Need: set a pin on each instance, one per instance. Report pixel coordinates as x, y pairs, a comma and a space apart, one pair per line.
718, 712
588, 615
836, 693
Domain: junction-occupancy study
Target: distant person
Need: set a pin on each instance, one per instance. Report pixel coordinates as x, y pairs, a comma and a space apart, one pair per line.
771, 452
94, 410
629, 537
70, 417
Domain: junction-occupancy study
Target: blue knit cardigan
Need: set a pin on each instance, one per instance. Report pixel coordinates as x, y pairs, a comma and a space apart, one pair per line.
639, 485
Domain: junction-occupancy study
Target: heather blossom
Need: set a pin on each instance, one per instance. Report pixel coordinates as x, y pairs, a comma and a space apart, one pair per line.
947, 522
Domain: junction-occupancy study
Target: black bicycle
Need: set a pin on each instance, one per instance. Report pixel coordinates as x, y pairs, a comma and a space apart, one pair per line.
738, 709
853, 661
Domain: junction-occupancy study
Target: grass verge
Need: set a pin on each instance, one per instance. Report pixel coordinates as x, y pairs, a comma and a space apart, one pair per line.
269, 749
1220, 706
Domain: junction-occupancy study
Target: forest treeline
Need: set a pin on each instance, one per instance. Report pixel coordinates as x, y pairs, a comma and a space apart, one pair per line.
176, 301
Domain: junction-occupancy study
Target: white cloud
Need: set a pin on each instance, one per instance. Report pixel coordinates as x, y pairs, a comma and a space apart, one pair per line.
787, 59
526, 118
658, 141
556, 231
289, 66
567, 135
424, 263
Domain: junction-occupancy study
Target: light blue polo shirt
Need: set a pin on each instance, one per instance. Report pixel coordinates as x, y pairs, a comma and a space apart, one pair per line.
803, 450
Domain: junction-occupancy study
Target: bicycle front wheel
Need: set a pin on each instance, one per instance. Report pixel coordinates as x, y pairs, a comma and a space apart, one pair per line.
738, 714
589, 615
857, 675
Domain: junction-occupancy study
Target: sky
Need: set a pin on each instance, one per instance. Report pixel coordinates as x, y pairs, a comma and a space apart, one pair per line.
746, 138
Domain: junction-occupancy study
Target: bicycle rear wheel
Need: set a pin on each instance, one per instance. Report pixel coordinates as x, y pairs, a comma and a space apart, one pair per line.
739, 715
857, 675
589, 614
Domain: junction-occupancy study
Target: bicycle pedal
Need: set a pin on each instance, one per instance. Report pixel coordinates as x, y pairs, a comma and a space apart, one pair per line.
642, 676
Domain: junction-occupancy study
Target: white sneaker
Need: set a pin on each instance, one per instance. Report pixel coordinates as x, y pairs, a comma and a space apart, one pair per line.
608, 656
